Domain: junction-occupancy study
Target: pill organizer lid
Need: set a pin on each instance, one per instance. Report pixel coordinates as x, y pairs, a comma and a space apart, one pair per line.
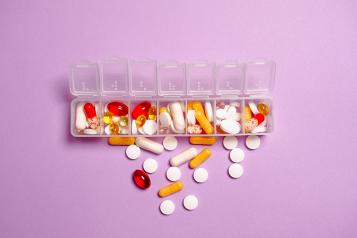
200, 78
259, 77
229, 78
115, 77
142, 79
171, 79
84, 79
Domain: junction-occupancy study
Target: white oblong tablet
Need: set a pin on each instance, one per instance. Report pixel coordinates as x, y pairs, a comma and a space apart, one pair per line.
190, 202
173, 174
150, 166
200, 175
170, 143
235, 170
150, 127
191, 119
134, 129
90, 131
133, 152
221, 114
252, 142
236, 155
253, 108
230, 126
209, 111
81, 119
230, 142
167, 207
231, 110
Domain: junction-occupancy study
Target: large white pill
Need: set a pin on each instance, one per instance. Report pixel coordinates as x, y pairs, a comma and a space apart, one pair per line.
150, 166
253, 108
230, 142
165, 119
190, 202
191, 119
149, 145
221, 114
174, 130
150, 127
173, 174
177, 115
209, 111
167, 207
170, 143
236, 155
133, 152
89, 131
230, 126
81, 120
134, 129
235, 170
252, 142
184, 156
200, 175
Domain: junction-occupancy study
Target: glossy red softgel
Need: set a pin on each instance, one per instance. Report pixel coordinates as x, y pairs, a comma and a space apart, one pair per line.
141, 109
141, 179
117, 108
260, 117
89, 110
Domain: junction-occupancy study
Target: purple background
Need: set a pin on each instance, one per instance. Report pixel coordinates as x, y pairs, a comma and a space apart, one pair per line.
302, 182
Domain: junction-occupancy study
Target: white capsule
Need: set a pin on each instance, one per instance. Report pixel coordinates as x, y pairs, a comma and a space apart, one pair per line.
174, 130
191, 119
81, 120
184, 156
177, 115
253, 108
209, 111
165, 119
149, 145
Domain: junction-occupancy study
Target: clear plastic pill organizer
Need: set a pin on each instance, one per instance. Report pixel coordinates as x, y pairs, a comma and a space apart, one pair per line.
125, 98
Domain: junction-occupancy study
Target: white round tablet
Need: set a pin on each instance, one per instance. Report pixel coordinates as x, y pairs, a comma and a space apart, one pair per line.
170, 143
252, 142
173, 174
230, 142
150, 127
150, 166
235, 170
167, 207
221, 114
230, 126
190, 202
236, 155
133, 152
200, 175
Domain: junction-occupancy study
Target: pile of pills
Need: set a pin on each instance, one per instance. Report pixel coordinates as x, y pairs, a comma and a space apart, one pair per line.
228, 117
87, 121
144, 119
255, 117
115, 118
199, 119
172, 118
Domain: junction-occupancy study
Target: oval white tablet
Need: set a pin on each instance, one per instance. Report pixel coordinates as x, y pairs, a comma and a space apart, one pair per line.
221, 114
236, 155
167, 207
200, 175
252, 142
232, 110
133, 152
141, 131
170, 143
165, 119
81, 120
150, 127
235, 170
150, 166
190, 202
89, 131
134, 129
253, 108
230, 142
233, 116
173, 174
209, 111
191, 119
230, 126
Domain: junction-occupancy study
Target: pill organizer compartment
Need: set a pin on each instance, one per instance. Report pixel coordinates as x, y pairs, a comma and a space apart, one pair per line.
136, 81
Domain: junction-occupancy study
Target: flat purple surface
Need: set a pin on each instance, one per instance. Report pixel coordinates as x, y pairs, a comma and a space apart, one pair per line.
302, 182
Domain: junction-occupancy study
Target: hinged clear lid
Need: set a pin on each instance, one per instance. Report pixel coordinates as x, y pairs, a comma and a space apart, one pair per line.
229, 78
200, 78
259, 77
84, 79
143, 78
115, 77
171, 79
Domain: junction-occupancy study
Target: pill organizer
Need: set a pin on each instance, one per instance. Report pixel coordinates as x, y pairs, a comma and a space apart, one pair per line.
135, 81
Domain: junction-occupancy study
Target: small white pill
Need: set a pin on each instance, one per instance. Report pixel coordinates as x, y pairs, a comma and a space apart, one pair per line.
167, 207
221, 114
133, 152
170, 143
184, 156
252, 142
260, 129
115, 119
134, 129
149, 145
235, 116
150, 127
235, 170
232, 110
150, 166
209, 111
230, 126
190, 202
165, 119
173, 174
107, 130
253, 108
191, 119
200, 175
89, 131
230, 142
236, 155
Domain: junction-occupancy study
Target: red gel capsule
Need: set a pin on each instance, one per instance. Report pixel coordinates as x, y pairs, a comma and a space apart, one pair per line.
260, 117
141, 109
89, 110
141, 179
117, 108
